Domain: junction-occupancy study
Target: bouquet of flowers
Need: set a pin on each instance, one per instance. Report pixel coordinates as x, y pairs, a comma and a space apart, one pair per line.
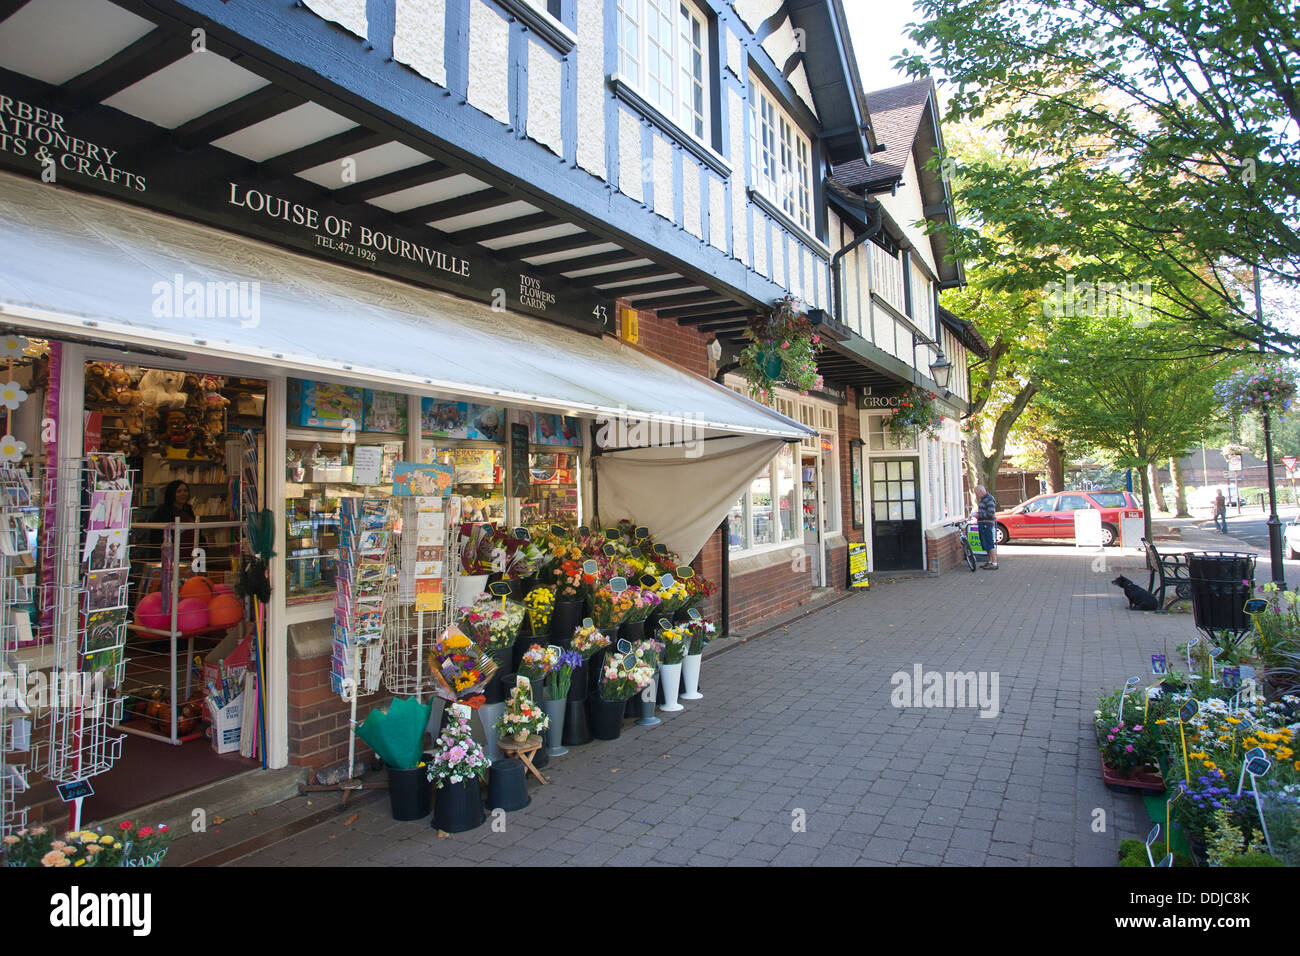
624, 676
460, 668
672, 598
561, 675
127, 845
644, 603
675, 641
456, 756
522, 717
540, 602
650, 652
493, 624
587, 641
570, 582
538, 661
702, 631
476, 549
698, 588
609, 609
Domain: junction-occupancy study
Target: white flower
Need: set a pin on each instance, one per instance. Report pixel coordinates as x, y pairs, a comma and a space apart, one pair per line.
12, 395
12, 345
11, 449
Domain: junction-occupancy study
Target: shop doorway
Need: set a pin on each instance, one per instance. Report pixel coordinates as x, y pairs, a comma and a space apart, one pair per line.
194, 444
810, 495
895, 514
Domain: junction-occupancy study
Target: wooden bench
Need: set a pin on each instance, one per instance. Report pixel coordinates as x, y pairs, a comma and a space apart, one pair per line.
1172, 572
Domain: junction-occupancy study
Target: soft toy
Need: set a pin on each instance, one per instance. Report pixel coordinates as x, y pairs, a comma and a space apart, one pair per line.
163, 390
123, 393
99, 385
178, 429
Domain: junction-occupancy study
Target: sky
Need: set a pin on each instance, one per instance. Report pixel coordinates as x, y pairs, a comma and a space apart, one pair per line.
876, 29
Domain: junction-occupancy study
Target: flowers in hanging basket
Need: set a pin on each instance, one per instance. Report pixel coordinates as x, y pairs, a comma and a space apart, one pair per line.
587, 641
675, 640
560, 676
540, 603
916, 411
782, 350
624, 675
702, 631
1268, 387
523, 716
538, 661
456, 755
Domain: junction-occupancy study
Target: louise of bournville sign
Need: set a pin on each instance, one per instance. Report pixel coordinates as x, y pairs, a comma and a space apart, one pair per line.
107, 151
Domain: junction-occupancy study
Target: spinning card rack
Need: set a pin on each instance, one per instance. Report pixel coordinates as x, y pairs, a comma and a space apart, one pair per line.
18, 510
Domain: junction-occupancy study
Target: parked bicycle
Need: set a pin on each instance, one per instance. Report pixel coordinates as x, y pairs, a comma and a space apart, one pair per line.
971, 548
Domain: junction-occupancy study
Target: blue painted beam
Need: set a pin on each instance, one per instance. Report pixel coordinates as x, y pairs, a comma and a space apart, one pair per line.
331, 66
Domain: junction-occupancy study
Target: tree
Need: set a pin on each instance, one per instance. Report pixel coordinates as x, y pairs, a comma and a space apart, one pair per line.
1163, 146
1107, 391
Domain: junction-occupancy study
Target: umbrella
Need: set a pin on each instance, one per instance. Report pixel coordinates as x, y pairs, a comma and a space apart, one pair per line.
398, 734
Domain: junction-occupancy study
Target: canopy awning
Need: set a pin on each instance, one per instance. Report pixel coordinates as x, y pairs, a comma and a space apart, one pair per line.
83, 266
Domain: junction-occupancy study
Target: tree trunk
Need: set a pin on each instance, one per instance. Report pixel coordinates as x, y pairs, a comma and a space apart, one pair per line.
1146, 501
1180, 488
1153, 477
1054, 452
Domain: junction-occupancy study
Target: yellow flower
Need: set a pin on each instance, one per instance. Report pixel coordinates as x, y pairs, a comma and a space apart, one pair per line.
106, 840
1234, 720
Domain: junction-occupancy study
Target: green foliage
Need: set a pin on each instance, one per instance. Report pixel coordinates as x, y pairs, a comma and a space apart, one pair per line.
782, 350
1147, 142
1252, 859
1134, 853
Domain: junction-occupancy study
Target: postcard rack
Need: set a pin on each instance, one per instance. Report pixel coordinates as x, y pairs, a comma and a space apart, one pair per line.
428, 570
87, 609
18, 513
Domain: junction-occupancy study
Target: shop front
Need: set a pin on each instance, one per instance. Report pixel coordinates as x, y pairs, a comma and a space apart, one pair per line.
306, 387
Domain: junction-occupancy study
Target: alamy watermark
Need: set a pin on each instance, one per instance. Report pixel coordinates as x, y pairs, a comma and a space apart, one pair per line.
208, 300
68, 690
1098, 300
625, 431
949, 689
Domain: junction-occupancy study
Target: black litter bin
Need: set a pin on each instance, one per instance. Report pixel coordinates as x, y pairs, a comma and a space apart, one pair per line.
1221, 584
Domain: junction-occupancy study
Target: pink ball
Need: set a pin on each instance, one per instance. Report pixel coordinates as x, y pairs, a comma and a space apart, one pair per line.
222, 589
192, 615
149, 612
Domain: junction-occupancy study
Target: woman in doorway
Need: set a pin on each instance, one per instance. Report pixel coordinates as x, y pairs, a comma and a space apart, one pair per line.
175, 504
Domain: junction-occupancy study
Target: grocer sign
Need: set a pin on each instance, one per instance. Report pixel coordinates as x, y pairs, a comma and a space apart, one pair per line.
886, 398
110, 152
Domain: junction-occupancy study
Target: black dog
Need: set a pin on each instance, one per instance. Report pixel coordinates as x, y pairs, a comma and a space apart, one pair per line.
1138, 598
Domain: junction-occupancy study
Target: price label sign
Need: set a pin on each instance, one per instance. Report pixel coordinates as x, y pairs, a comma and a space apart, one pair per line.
74, 789
665, 624
588, 623
1258, 766
660, 549
634, 551
685, 573
1256, 606
623, 645
584, 530
647, 580
499, 588
589, 566
666, 581
611, 534
641, 533
1190, 710
694, 614
618, 585
609, 550
522, 534
558, 529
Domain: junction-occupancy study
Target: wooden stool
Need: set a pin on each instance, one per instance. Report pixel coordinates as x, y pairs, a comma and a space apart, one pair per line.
524, 752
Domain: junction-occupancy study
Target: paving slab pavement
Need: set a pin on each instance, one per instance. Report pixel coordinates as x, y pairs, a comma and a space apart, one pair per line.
797, 755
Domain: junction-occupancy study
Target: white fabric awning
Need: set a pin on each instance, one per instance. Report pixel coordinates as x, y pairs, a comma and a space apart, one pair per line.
80, 265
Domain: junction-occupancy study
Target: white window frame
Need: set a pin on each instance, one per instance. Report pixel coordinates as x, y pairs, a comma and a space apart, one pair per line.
679, 88
878, 440
780, 158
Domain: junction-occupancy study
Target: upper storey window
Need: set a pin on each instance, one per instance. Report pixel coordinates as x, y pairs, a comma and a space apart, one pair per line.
663, 51
782, 159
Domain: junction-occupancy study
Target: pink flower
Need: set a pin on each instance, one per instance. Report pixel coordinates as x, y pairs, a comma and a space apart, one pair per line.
1129, 748
1110, 736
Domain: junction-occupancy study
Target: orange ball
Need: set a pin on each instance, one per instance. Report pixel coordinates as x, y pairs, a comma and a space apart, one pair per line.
197, 588
225, 610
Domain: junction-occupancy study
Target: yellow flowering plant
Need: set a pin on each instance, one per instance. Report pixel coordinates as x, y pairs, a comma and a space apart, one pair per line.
540, 603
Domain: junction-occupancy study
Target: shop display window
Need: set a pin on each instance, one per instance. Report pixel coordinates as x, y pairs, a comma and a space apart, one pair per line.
553, 489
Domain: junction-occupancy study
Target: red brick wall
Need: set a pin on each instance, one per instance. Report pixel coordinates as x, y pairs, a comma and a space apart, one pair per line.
944, 554
318, 717
766, 592
682, 345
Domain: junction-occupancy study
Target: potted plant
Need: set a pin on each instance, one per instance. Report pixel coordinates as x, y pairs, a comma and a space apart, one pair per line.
456, 768
918, 412
676, 641
540, 603
782, 349
397, 736
650, 652
523, 717
569, 587
590, 642
624, 676
1130, 751
702, 632
555, 699
644, 603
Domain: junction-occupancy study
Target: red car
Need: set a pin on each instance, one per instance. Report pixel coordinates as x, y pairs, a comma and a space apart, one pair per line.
1052, 516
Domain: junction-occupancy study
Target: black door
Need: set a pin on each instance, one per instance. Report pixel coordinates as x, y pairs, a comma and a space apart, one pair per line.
895, 514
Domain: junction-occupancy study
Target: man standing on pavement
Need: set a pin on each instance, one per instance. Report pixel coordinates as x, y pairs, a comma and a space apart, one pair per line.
986, 515
1220, 513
